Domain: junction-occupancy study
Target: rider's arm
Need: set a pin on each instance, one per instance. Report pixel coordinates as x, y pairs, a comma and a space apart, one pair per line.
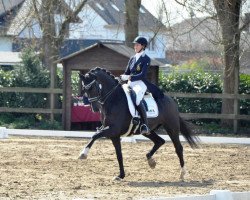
127, 71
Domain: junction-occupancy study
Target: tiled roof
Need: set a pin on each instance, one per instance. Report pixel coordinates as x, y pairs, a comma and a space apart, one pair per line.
8, 11
195, 34
22, 19
70, 46
113, 12
8, 5
26, 15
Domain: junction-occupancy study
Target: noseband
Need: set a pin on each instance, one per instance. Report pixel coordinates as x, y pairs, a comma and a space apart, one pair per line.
99, 98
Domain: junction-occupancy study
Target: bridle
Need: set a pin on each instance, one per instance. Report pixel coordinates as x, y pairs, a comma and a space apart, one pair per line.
87, 87
99, 98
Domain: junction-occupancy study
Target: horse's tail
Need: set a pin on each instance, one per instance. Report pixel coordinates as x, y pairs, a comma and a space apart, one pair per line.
188, 134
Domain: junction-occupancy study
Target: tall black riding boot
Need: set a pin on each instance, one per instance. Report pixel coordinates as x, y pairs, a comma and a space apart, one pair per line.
142, 111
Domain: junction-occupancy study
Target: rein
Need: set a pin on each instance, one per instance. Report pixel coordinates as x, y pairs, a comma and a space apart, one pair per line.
100, 99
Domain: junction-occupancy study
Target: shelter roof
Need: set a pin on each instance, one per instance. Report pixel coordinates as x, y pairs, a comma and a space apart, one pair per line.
118, 47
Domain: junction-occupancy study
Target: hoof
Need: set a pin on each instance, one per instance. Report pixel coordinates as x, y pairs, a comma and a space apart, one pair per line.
82, 156
117, 178
151, 163
183, 173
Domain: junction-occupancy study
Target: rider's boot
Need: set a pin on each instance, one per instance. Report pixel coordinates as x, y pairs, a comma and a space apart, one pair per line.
142, 111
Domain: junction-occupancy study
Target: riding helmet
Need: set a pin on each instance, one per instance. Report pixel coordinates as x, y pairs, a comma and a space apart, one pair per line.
141, 40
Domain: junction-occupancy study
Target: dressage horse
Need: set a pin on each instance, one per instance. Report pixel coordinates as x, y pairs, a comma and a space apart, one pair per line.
107, 96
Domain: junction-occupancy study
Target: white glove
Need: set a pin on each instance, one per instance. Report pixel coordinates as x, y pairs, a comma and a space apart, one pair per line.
124, 77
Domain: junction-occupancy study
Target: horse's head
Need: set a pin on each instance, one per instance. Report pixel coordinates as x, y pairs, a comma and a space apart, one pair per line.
97, 84
91, 88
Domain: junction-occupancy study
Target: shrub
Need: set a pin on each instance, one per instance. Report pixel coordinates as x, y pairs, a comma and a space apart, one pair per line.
198, 81
31, 74
193, 82
244, 88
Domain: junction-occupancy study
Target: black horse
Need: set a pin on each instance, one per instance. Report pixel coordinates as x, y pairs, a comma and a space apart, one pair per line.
106, 95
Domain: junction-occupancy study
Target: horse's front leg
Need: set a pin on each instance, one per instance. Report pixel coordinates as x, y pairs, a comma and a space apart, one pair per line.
117, 144
85, 151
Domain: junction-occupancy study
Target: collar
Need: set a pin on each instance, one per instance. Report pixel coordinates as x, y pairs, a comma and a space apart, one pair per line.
138, 55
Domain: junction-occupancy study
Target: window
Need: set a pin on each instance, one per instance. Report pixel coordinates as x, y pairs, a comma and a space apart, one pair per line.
115, 7
99, 6
151, 45
142, 10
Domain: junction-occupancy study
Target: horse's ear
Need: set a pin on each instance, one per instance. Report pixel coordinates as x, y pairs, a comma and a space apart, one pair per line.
92, 75
81, 76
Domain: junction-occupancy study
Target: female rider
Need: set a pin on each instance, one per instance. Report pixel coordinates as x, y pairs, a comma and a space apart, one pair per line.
136, 74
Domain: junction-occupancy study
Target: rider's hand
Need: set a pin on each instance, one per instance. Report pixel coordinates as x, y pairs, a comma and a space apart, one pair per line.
124, 77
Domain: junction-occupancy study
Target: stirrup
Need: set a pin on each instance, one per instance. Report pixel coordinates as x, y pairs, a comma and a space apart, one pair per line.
146, 132
98, 129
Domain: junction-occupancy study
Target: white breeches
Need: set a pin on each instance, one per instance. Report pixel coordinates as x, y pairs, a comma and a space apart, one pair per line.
140, 88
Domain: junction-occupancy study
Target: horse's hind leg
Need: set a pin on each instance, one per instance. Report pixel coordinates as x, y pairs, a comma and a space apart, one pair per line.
174, 136
158, 142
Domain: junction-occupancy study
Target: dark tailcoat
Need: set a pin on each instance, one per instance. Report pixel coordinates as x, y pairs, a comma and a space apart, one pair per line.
138, 71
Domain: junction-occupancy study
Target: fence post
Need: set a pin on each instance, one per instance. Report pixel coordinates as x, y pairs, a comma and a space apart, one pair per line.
53, 69
236, 112
236, 100
222, 194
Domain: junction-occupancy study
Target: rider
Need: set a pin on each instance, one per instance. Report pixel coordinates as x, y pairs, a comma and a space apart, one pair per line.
136, 74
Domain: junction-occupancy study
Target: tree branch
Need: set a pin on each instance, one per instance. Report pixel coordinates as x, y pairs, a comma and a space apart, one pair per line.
244, 26
37, 13
180, 3
69, 18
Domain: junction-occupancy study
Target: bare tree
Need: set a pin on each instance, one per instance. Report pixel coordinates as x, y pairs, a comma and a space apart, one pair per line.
52, 39
227, 13
132, 20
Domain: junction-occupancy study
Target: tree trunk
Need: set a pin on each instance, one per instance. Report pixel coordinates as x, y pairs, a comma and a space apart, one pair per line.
50, 47
228, 15
132, 21
51, 42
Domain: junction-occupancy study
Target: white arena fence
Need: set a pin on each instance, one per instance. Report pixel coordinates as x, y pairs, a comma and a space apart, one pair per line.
214, 195
88, 134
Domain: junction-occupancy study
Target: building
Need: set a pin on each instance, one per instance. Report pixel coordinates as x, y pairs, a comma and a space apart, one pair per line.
99, 20
200, 39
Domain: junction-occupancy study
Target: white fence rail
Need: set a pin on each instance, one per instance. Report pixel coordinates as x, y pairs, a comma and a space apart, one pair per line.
214, 195
88, 134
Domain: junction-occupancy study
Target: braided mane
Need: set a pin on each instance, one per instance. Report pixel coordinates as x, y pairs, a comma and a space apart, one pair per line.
101, 71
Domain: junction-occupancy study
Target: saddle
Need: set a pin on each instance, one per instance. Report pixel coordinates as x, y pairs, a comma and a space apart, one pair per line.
148, 100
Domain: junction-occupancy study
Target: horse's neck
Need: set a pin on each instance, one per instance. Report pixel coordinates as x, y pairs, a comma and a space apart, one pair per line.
110, 91
108, 85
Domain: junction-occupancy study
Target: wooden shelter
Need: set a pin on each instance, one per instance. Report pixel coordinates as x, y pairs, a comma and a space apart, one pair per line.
111, 56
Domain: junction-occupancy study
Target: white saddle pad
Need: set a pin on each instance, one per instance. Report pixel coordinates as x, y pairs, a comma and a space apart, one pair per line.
151, 104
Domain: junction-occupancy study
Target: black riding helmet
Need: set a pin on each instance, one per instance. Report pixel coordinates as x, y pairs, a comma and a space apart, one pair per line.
141, 40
